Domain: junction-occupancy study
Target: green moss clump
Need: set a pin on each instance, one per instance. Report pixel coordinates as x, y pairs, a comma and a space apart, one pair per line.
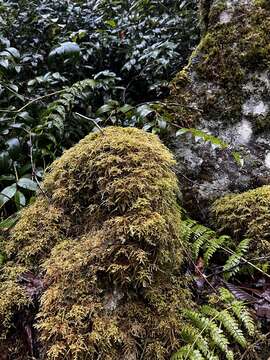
230, 50
108, 245
41, 226
246, 215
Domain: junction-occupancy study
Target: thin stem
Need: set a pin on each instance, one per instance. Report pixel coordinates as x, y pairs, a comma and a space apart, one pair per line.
246, 261
93, 121
34, 167
265, 336
31, 102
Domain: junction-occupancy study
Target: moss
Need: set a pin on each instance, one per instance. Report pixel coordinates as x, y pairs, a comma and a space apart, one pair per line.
109, 247
40, 227
262, 123
246, 215
216, 9
182, 79
12, 296
211, 86
230, 50
263, 3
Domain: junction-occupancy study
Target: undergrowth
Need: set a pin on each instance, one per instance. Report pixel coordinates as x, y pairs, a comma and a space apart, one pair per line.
216, 331
207, 243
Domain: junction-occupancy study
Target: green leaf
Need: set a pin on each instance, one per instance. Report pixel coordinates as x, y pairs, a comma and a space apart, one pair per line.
203, 135
162, 124
13, 147
144, 110
5, 160
9, 222
19, 199
28, 184
7, 178
111, 23
4, 63
7, 194
14, 52
125, 108
66, 49
238, 158
105, 109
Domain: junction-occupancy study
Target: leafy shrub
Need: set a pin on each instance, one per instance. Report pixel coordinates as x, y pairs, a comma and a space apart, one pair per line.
128, 48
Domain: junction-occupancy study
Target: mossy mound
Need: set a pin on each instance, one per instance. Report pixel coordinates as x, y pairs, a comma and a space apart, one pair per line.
106, 243
246, 215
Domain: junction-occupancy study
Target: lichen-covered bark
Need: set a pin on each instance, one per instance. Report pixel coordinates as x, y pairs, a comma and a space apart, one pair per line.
225, 90
96, 261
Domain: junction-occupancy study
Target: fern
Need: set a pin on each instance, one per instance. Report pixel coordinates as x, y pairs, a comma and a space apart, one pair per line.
213, 140
193, 354
191, 334
213, 245
197, 234
206, 241
228, 321
204, 136
207, 325
55, 116
57, 111
232, 265
239, 309
211, 330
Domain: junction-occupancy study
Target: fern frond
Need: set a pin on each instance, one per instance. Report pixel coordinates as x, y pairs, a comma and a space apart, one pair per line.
220, 340
202, 237
188, 353
196, 355
57, 111
197, 234
206, 242
192, 335
229, 323
239, 309
212, 246
242, 313
209, 326
225, 295
214, 329
232, 265
186, 231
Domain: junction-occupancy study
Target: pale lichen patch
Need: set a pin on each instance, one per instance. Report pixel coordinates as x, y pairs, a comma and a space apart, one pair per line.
255, 106
225, 17
267, 160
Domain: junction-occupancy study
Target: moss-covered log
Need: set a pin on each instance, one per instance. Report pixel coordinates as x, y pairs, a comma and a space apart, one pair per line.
96, 261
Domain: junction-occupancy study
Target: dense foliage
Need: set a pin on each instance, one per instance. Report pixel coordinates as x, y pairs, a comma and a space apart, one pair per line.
127, 49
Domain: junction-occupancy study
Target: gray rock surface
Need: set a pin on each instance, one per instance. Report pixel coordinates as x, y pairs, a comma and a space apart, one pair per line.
234, 108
